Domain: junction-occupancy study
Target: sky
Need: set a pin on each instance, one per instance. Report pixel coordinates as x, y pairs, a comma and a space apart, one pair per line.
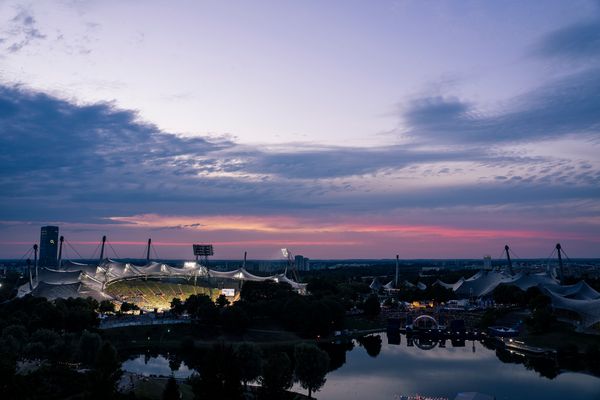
338, 129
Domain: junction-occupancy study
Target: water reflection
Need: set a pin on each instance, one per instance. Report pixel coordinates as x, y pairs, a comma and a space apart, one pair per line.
371, 343
384, 366
410, 365
149, 364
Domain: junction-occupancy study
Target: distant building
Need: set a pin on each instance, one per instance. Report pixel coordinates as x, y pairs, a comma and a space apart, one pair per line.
487, 262
302, 263
49, 246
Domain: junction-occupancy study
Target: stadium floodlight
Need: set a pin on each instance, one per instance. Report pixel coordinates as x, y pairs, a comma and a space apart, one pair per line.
203, 250
285, 253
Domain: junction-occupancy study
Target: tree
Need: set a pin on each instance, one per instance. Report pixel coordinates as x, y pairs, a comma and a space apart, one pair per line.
234, 319
171, 391
267, 290
222, 301
106, 372
106, 306
371, 306
89, 345
277, 374
372, 344
509, 294
312, 365
541, 320
200, 306
177, 306
250, 362
219, 375
127, 307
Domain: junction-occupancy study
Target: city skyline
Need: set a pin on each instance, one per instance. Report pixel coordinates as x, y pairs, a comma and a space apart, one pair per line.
340, 130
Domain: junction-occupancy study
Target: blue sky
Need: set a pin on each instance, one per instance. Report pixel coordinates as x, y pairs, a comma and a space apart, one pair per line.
341, 129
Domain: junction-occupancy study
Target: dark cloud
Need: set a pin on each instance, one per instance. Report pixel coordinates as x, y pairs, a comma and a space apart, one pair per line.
82, 163
566, 106
569, 105
579, 41
337, 162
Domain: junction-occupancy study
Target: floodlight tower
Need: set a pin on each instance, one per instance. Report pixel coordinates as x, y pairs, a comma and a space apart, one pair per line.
204, 250
291, 263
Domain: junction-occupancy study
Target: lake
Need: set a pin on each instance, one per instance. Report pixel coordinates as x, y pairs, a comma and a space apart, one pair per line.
386, 371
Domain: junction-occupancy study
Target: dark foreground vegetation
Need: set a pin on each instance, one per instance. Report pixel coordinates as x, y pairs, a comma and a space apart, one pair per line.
54, 350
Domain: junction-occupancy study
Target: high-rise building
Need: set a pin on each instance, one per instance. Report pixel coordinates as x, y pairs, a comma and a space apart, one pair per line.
302, 263
49, 246
487, 262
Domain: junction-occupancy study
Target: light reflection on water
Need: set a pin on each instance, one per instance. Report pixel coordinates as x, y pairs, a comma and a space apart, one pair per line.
403, 370
158, 366
399, 369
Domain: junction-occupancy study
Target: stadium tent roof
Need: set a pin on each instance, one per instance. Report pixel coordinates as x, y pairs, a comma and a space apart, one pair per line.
375, 284
53, 276
240, 274
85, 268
452, 286
83, 280
66, 290
389, 285
525, 281
295, 285
482, 283
588, 310
579, 291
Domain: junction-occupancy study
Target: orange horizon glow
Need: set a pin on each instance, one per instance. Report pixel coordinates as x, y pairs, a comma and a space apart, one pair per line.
291, 225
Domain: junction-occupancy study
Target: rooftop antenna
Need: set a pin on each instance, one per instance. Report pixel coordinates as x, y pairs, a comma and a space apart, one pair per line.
396, 280
61, 240
560, 263
148, 250
102, 249
510, 268
35, 262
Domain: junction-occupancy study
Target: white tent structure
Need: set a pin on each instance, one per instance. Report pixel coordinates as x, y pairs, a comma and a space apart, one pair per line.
579, 299
483, 283
84, 280
588, 311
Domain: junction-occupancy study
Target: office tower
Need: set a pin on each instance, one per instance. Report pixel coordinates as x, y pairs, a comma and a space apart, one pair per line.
49, 246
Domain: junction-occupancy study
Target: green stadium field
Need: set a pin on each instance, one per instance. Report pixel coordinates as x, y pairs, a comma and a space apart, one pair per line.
156, 294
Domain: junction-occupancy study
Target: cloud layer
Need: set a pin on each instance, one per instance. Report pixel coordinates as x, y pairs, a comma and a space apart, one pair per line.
527, 170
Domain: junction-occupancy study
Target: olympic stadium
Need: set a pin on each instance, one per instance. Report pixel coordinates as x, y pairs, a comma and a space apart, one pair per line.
151, 286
